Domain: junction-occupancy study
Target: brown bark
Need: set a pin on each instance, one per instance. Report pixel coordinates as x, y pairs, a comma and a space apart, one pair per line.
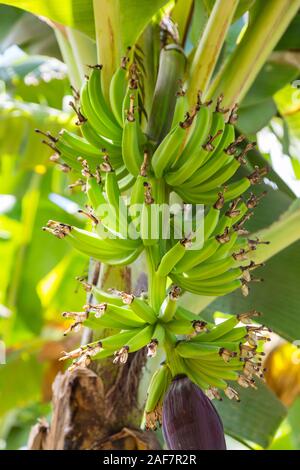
87, 415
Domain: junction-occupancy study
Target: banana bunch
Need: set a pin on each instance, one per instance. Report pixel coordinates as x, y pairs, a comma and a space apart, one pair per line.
210, 355
108, 241
218, 267
201, 154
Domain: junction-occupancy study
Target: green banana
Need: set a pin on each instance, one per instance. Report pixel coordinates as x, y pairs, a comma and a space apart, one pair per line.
169, 305
193, 286
157, 387
188, 349
140, 307
99, 141
114, 317
117, 90
116, 202
184, 314
132, 155
181, 107
106, 297
210, 221
126, 183
233, 190
188, 160
125, 314
117, 341
98, 101
167, 150
173, 256
180, 327
210, 270
159, 334
237, 334
225, 249
92, 117
194, 376
140, 339
78, 144
209, 147
206, 376
150, 218
94, 191
221, 176
192, 258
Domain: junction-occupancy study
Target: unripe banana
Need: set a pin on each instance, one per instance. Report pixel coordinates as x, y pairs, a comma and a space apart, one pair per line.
166, 152
185, 165
180, 327
209, 270
79, 145
106, 297
157, 388
117, 90
173, 256
92, 117
206, 376
221, 279
150, 218
181, 107
159, 334
236, 334
192, 258
98, 101
193, 286
218, 331
188, 349
117, 341
140, 307
210, 221
132, 155
140, 339
116, 202
233, 190
169, 306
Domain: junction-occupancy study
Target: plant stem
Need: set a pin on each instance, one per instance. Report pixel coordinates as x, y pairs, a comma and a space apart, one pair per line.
182, 15
210, 45
239, 72
173, 359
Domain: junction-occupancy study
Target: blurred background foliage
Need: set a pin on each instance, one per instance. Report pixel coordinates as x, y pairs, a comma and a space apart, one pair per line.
37, 279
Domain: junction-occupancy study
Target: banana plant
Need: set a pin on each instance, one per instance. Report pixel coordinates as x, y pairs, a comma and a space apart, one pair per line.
157, 111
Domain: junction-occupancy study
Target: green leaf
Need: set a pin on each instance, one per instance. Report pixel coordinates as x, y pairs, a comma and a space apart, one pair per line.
75, 13
20, 382
291, 38
273, 76
277, 298
254, 117
27, 31
256, 418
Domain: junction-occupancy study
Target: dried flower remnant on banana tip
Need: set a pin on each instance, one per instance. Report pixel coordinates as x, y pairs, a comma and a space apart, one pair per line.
196, 159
